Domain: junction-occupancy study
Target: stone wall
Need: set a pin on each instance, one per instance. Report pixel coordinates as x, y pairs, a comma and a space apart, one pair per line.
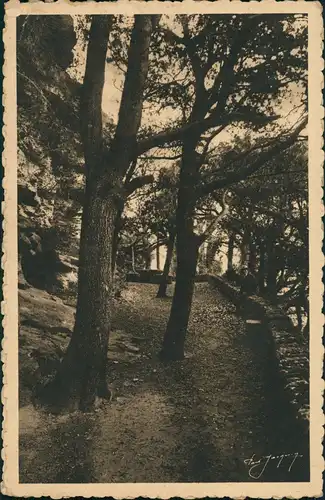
290, 351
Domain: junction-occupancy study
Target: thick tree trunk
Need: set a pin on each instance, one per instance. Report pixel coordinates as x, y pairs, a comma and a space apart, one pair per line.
162, 290
82, 374
230, 252
187, 254
187, 248
115, 244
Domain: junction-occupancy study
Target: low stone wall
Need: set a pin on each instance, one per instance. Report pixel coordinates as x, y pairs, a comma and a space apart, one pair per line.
147, 276
290, 351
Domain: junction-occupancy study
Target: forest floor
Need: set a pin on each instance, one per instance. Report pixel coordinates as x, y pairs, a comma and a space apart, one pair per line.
192, 421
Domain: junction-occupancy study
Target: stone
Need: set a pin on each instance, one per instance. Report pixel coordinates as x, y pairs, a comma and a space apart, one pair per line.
38, 310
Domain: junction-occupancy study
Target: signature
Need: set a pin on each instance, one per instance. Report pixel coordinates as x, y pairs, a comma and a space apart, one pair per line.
256, 466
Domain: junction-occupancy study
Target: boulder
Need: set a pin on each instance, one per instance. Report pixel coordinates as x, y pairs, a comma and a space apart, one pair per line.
38, 310
44, 333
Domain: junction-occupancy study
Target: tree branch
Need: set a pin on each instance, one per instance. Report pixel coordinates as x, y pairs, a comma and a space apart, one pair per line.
212, 226
130, 112
137, 183
280, 145
201, 126
176, 157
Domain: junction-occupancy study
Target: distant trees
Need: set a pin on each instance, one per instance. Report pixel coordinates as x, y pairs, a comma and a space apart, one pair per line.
268, 225
157, 211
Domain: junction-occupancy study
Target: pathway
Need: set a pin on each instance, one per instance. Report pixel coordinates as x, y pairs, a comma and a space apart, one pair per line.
192, 421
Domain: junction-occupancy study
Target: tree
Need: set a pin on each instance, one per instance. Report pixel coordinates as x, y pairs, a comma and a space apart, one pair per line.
234, 67
272, 207
82, 373
158, 215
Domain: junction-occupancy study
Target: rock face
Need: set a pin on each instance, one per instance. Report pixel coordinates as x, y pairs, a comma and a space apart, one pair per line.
45, 328
53, 37
46, 312
50, 167
50, 158
50, 153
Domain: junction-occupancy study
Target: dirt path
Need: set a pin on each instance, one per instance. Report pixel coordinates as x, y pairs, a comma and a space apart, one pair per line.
190, 421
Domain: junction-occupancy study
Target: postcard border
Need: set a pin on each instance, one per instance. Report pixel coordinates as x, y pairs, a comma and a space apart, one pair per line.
10, 484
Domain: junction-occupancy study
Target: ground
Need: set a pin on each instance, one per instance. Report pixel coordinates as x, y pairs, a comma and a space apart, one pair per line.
192, 421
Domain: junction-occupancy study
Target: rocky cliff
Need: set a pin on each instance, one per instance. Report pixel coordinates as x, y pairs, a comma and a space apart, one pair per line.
50, 158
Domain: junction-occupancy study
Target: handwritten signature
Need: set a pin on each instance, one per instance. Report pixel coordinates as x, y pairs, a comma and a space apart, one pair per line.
256, 467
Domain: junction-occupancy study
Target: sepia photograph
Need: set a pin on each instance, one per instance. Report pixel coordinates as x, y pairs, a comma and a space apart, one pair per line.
163, 248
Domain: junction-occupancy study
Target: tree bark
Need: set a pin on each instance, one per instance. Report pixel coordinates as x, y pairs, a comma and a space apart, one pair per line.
187, 254
162, 290
115, 243
82, 373
187, 248
271, 275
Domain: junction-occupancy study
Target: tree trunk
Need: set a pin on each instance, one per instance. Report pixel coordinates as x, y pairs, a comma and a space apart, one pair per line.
115, 244
162, 290
148, 259
82, 373
187, 248
158, 254
230, 252
187, 254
